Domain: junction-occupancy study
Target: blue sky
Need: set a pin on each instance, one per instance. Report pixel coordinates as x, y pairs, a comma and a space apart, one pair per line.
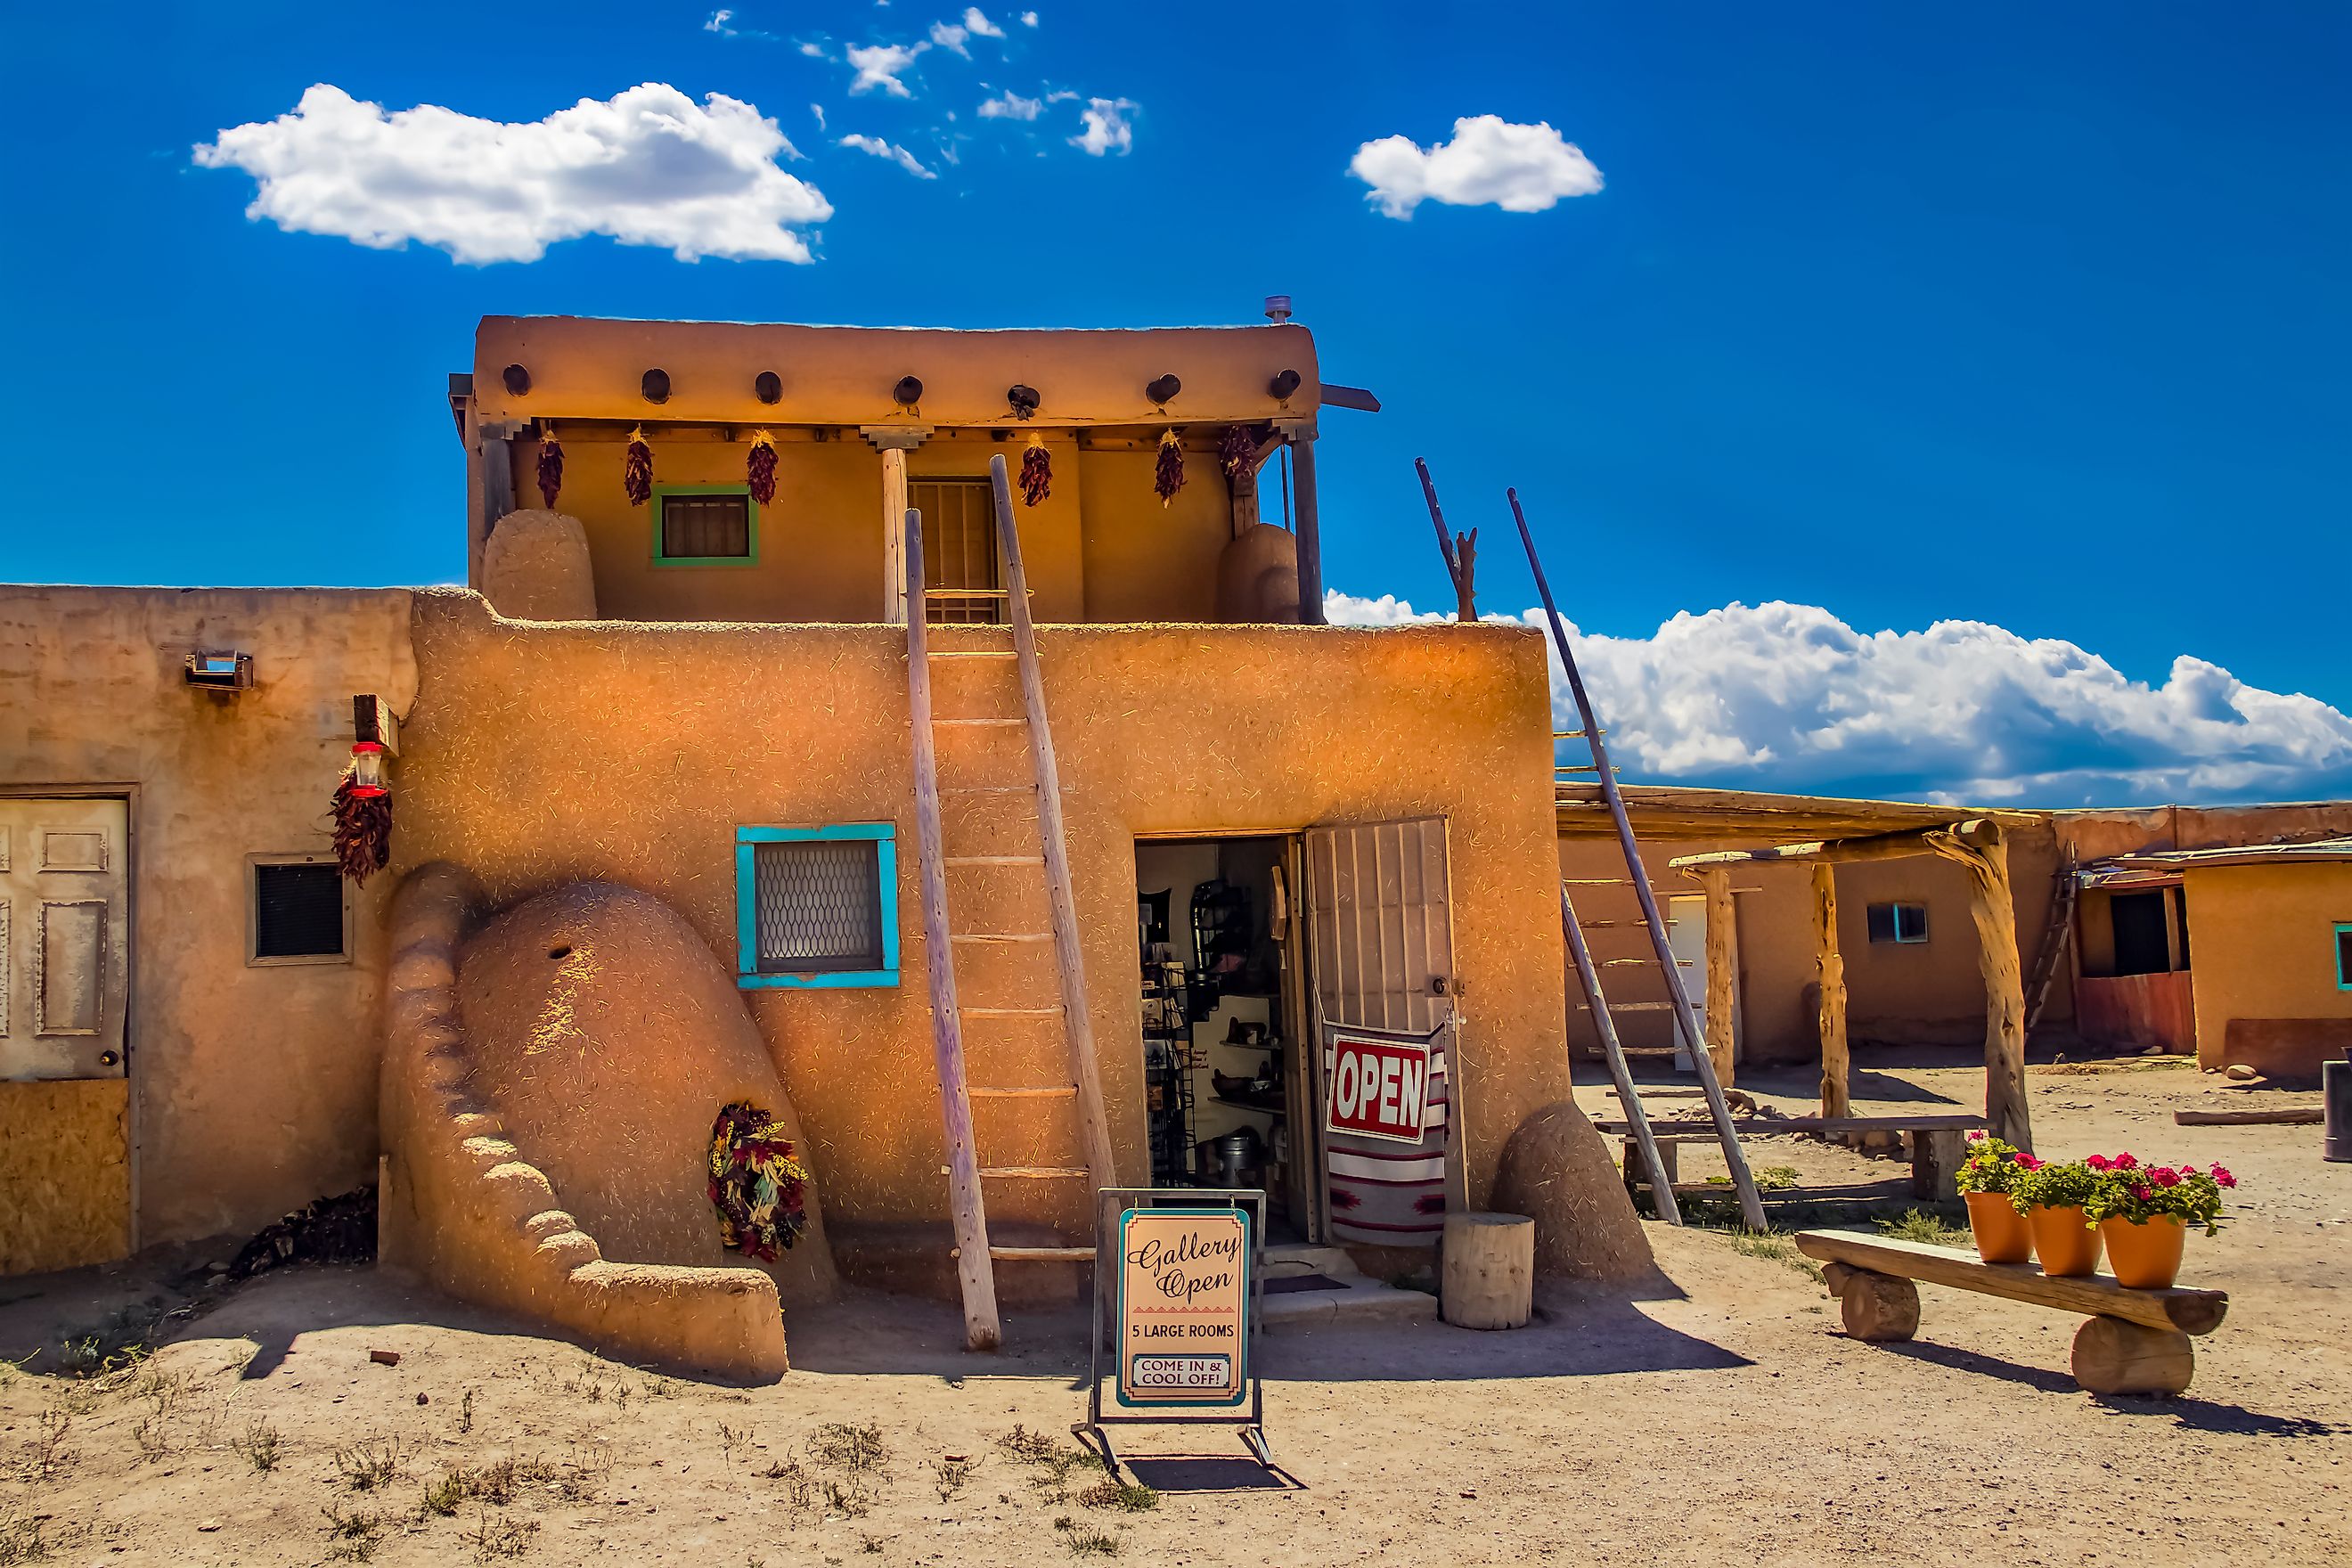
2024, 315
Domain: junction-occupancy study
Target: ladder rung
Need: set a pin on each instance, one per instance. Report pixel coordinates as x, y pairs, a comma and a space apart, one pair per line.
1582, 768
1005, 936
1042, 1254
991, 789
1047, 1091
1023, 1011
1631, 1007
977, 724
974, 653
1571, 734
1608, 925
1026, 1171
991, 860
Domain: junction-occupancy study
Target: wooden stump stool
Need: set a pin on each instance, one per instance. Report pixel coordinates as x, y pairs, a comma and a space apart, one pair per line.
2112, 1356
1488, 1270
1879, 1308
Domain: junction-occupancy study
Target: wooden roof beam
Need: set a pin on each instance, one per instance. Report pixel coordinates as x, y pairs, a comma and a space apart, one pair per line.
1979, 832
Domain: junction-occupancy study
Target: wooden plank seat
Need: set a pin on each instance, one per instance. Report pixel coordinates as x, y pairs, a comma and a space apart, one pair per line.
2131, 1342
1937, 1144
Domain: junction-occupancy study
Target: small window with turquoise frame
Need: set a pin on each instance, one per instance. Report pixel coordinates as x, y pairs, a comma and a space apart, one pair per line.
2344, 955
706, 525
816, 907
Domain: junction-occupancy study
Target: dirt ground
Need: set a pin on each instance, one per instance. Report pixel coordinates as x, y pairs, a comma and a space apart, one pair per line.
1719, 1416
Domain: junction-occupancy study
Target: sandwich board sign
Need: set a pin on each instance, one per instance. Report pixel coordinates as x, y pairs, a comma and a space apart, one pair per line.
1176, 1310
1183, 1307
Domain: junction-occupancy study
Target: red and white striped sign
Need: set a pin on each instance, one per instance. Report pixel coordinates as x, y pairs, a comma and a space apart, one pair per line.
1376, 1087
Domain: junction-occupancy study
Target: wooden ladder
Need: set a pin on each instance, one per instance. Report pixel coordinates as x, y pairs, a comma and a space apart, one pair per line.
2056, 932
1081, 1083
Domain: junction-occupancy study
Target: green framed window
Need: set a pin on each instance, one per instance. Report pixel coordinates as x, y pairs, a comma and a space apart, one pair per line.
705, 525
2344, 955
816, 908
1905, 924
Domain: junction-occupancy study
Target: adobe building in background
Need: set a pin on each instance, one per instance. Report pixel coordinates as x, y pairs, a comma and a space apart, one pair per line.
2105, 903
653, 849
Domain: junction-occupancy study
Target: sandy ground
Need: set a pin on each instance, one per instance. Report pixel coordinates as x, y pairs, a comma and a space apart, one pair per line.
1717, 1417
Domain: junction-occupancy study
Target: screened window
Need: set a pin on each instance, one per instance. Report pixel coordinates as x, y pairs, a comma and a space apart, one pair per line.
697, 526
960, 568
299, 913
1897, 922
817, 906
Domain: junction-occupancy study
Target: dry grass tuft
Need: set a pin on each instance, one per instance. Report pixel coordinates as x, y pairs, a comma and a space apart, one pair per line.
373, 1465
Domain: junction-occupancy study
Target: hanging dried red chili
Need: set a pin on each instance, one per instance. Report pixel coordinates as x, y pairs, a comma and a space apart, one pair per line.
1036, 472
551, 466
1235, 452
1167, 474
759, 468
756, 1184
362, 831
637, 470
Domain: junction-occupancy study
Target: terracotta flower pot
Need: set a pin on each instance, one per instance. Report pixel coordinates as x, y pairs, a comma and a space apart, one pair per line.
2001, 1233
2145, 1254
2065, 1241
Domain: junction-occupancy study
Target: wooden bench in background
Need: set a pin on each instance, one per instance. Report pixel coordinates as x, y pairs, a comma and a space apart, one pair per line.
1938, 1145
2134, 1341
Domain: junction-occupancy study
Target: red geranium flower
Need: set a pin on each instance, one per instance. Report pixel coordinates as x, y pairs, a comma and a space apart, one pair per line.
2142, 1193
2127, 1162
2028, 1162
2165, 1176
2097, 1161
2222, 1177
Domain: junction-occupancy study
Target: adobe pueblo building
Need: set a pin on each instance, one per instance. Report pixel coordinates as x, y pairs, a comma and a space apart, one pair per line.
793, 874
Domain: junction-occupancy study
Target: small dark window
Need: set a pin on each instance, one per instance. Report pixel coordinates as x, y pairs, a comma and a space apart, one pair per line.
1897, 922
2344, 958
818, 906
2141, 944
298, 912
706, 527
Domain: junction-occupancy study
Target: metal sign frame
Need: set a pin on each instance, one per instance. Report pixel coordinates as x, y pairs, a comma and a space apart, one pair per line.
1249, 1417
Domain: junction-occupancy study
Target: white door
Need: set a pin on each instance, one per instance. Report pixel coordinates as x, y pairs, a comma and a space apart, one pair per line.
1687, 935
65, 938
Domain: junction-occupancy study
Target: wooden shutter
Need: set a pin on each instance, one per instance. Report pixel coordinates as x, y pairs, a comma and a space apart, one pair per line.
1379, 922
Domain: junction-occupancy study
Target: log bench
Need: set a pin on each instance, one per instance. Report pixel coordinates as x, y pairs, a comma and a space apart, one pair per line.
1938, 1145
2132, 1341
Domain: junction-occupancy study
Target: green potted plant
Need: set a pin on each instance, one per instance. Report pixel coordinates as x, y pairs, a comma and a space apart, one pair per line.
2144, 1212
1987, 1178
2051, 1196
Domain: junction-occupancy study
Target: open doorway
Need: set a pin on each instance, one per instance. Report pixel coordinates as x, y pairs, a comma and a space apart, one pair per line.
1225, 1086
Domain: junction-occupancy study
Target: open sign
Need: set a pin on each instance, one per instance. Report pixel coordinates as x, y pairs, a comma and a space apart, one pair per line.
1377, 1087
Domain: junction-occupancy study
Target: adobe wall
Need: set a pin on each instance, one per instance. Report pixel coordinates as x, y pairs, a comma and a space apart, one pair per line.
545, 754
252, 1088
2262, 945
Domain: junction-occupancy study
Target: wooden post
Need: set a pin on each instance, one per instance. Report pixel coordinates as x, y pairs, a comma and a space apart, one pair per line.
1662, 1178
1836, 1068
1061, 906
1722, 970
973, 1266
498, 475
1310, 534
1979, 848
895, 539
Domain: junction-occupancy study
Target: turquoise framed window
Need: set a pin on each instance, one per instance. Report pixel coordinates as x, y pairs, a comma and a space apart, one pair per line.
816, 908
2344, 955
705, 525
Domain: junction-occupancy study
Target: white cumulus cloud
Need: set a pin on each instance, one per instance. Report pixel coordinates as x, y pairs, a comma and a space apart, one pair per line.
979, 25
649, 166
1789, 696
899, 155
1010, 105
948, 36
1028, 18
1107, 127
880, 66
1489, 162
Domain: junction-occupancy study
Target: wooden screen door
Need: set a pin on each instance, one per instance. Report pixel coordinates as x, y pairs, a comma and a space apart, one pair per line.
1379, 920
65, 968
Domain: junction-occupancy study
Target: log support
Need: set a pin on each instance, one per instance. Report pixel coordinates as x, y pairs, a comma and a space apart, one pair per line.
1830, 967
2112, 1356
1879, 1308
1309, 530
1722, 972
1993, 904
894, 442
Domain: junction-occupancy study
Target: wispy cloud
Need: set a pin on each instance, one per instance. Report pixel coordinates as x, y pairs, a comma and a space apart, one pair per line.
878, 66
1107, 126
1010, 105
1790, 696
720, 23
950, 37
899, 155
980, 26
1028, 18
648, 166
818, 109
1490, 162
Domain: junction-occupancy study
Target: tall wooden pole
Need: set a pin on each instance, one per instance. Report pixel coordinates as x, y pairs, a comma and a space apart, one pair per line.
1979, 848
1061, 905
902, 570
1722, 972
981, 1328
1661, 1186
1309, 537
1830, 966
1751, 1207
1460, 551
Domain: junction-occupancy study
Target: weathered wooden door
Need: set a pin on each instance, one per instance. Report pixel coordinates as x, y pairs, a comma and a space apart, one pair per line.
64, 929
1379, 920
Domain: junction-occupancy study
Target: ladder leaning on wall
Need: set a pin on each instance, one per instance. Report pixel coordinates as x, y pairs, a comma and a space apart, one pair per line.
1081, 1083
